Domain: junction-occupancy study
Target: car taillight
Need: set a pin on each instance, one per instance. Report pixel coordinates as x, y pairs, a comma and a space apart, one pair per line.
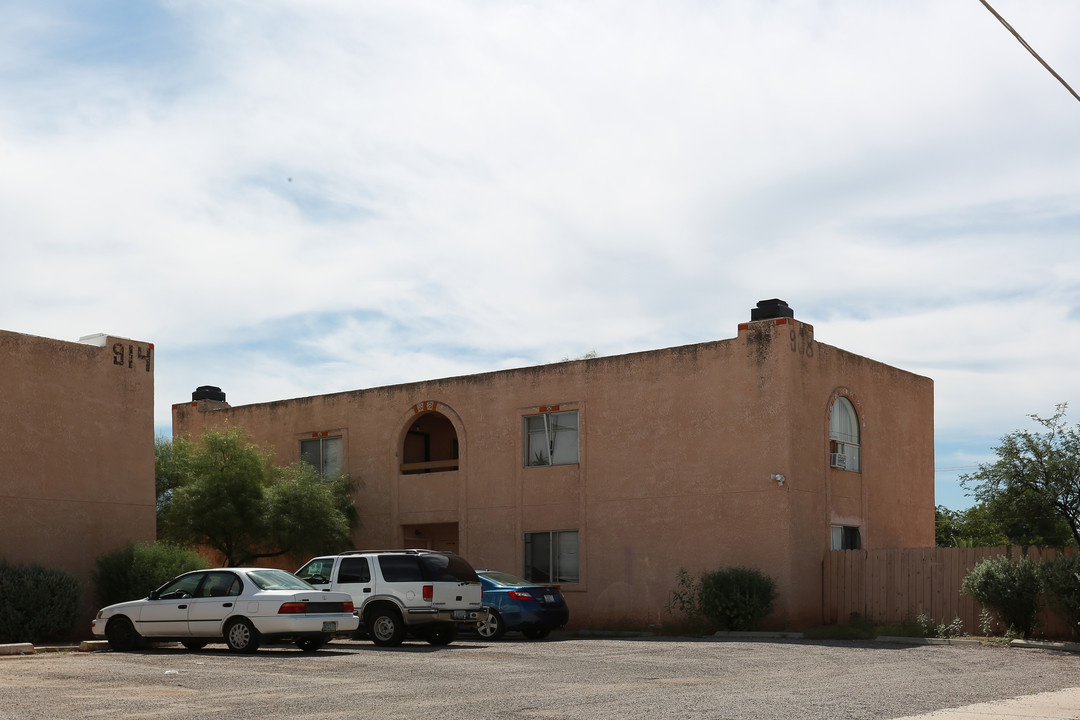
429, 592
520, 595
292, 608
347, 607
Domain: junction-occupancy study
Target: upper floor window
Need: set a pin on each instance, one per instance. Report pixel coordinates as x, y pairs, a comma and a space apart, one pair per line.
844, 448
551, 438
324, 454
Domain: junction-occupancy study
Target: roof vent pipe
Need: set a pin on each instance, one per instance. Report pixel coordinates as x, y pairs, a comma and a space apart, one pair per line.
769, 309
208, 392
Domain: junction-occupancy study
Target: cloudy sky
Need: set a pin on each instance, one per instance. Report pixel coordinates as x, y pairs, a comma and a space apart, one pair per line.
297, 197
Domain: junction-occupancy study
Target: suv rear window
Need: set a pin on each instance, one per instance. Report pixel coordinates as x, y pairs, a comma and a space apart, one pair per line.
426, 568
448, 568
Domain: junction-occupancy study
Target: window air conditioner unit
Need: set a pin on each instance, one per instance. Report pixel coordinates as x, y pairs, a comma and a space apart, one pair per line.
838, 460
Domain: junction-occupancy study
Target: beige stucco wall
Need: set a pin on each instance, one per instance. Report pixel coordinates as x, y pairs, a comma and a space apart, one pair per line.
76, 453
677, 451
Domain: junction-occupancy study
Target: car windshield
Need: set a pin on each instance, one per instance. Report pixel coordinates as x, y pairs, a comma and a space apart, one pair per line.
501, 578
277, 580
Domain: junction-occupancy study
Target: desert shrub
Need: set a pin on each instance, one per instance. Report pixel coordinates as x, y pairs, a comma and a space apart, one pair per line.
1010, 589
736, 598
1061, 581
37, 603
132, 571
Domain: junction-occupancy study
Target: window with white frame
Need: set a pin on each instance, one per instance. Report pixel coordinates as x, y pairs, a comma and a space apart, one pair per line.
844, 448
324, 454
846, 537
552, 557
551, 438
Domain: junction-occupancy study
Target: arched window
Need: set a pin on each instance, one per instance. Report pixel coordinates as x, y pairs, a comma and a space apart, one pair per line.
844, 436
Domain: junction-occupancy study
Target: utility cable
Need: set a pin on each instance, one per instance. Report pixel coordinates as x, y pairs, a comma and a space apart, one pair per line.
1029, 48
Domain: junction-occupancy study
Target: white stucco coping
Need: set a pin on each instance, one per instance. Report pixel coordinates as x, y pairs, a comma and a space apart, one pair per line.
17, 649
1046, 645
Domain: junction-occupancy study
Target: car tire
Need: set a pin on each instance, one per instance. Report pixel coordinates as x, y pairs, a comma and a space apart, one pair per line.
386, 627
193, 644
310, 644
441, 634
122, 635
493, 628
241, 636
536, 633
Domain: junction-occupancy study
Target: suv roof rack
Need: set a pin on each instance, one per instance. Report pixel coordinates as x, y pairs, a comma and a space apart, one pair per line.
413, 551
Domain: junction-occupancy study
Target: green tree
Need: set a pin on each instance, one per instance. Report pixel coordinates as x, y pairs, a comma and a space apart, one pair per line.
1036, 476
224, 492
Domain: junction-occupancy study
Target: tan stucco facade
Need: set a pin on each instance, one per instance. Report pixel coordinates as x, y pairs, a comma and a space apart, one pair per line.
77, 450
680, 454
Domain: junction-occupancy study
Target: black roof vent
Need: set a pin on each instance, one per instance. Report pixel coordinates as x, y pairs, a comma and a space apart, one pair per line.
769, 309
208, 392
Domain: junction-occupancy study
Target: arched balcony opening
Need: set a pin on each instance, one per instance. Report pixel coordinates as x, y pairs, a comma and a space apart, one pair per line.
430, 445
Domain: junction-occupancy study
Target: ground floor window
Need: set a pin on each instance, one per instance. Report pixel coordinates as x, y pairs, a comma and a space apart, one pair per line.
552, 557
323, 454
846, 537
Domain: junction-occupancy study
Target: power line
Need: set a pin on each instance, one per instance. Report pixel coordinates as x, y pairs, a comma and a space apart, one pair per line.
1029, 48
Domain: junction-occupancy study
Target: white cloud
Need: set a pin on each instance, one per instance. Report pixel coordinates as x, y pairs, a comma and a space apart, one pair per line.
489, 184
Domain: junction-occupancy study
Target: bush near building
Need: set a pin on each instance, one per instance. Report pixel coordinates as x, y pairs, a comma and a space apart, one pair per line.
37, 604
132, 571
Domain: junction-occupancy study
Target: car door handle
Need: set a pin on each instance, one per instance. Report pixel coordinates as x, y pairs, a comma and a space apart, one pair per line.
181, 607
367, 590
226, 605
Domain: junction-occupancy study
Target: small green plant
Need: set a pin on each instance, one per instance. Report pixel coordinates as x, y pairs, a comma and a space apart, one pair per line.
736, 598
686, 597
1010, 589
37, 603
986, 622
941, 630
132, 571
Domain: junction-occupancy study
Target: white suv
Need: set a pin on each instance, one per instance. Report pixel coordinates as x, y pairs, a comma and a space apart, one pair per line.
422, 592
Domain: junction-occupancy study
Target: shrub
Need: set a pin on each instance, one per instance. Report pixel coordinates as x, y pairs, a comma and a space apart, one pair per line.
1011, 589
736, 598
1061, 581
37, 603
131, 572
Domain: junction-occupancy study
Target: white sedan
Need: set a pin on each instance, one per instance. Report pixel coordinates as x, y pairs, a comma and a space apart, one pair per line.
241, 607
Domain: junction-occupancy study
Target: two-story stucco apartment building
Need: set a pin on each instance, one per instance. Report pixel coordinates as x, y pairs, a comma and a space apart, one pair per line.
76, 450
607, 475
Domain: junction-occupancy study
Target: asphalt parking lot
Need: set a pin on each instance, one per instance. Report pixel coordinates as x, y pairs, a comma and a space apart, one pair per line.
565, 677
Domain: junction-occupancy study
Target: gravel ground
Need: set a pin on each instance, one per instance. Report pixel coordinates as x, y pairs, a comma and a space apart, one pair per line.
558, 678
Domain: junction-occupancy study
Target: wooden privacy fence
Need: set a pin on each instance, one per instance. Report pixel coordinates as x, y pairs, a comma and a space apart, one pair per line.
890, 586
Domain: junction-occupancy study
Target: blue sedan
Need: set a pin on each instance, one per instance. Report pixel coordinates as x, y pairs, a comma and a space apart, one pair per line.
517, 604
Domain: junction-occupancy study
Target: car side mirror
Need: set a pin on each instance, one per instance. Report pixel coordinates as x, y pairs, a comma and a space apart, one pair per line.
153, 595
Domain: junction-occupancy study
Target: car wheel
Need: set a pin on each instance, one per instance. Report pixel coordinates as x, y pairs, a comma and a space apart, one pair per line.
441, 634
310, 644
122, 635
386, 627
193, 644
493, 628
241, 636
536, 633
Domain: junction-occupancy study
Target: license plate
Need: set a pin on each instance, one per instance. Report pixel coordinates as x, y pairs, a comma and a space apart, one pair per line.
549, 598
329, 626
459, 615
